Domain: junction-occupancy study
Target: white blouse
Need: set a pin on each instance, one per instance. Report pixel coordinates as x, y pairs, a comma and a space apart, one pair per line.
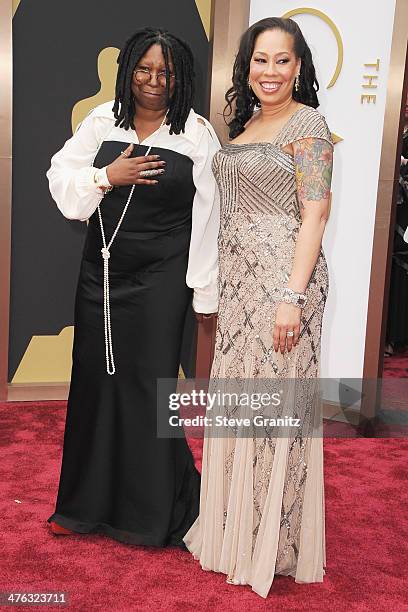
71, 181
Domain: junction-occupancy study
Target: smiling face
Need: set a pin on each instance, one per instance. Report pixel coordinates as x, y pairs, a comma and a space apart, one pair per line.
273, 67
150, 91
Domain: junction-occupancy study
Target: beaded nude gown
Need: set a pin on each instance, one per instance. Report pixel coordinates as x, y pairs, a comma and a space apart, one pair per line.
262, 498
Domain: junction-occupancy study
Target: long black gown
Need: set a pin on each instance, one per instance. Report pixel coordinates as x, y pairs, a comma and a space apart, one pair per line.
117, 477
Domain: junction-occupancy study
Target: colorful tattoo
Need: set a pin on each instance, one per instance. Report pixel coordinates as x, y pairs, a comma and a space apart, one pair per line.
313, 158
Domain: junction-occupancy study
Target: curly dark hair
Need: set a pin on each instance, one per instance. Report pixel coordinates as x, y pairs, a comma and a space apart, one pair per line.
180, 103
244, 98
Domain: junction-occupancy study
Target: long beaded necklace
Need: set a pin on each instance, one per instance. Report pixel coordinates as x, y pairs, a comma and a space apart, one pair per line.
110, 362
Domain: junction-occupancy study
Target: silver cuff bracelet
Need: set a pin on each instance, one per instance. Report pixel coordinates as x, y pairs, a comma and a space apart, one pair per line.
292, 297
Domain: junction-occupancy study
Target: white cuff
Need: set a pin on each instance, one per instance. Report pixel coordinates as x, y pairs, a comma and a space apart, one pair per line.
205, 300
101, 178
84, 183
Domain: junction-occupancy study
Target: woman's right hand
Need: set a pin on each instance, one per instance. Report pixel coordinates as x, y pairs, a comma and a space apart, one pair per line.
125, 171
200, 317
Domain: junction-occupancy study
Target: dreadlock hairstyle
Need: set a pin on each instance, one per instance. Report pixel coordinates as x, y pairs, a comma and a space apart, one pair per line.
180, 103
244, 98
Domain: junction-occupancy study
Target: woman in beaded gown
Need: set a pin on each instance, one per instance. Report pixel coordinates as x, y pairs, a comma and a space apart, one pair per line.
262, 495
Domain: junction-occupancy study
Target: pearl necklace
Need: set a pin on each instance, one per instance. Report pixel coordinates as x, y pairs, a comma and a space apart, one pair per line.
110, 362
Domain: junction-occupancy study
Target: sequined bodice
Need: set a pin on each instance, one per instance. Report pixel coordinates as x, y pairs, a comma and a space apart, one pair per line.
259, 178
255, 178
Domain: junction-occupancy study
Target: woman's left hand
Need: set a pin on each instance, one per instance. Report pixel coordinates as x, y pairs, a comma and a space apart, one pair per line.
287, 319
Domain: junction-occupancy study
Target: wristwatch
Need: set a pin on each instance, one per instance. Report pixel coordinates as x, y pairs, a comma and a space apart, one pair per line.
101, 180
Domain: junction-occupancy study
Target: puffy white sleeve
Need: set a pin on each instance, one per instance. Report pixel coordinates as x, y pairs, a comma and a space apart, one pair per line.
71, 173
202, 270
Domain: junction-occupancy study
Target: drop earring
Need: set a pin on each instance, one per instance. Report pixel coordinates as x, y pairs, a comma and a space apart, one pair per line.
297, 85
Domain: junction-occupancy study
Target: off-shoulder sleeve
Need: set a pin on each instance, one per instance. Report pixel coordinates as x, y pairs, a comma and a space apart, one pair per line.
71, 173
306, 123
202, 270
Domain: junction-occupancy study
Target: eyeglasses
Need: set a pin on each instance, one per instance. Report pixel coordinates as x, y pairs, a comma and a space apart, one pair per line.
144, 75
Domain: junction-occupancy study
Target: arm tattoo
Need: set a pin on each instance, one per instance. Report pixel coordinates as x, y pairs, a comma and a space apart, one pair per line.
313, 158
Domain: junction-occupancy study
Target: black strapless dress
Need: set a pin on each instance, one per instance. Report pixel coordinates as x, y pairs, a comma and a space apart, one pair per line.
117, 477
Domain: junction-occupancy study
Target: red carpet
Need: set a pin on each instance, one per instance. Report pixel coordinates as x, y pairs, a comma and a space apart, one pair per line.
395, 381
396, 365
367, 534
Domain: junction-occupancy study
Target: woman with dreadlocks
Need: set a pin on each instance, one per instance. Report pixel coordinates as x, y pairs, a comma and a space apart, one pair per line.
139, 169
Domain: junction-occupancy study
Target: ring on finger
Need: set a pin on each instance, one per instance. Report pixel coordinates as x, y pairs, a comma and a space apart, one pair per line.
124, 153
290, 334
152, 172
